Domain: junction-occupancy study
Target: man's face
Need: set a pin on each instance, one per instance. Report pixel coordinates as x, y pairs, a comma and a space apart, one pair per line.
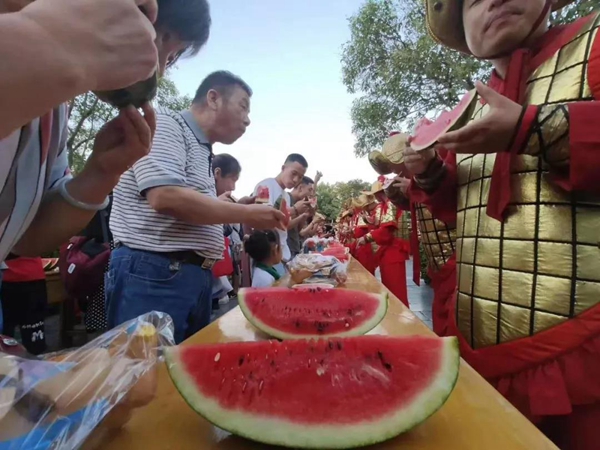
292, 174
494, 27
169, 47
305, 190
225, 183
233, 114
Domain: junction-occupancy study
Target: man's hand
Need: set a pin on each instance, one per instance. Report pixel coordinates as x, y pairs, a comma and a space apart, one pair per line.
361, 241
418, 162
402, 183
492, 133
318, 177
226, 197
302, 207
122, 142
110, 41
247, 200
264, 217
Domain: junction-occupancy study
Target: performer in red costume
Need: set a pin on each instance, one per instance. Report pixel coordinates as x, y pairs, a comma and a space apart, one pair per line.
392, 250
363, 251
438, 238
523, 182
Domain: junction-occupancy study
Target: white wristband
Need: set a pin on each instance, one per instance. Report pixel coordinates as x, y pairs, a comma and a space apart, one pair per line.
64, 193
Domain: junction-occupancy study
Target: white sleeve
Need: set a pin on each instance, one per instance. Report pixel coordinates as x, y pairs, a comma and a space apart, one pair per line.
261, 279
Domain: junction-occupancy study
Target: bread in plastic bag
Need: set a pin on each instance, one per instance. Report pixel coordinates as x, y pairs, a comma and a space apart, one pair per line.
319, 269
64, 399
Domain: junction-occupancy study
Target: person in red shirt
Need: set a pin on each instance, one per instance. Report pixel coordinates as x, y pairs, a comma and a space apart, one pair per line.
24, 302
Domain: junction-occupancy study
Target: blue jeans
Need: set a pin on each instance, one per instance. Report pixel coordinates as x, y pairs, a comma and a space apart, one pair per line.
138, 282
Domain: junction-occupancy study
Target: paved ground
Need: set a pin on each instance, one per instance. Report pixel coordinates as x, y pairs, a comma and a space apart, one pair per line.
420, 299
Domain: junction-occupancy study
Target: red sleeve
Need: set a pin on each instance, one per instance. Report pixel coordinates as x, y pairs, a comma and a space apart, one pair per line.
385, 234
584, 142
443, 201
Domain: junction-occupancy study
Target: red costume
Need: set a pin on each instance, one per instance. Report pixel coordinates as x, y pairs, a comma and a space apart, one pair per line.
392, 251
364, 254
527, 311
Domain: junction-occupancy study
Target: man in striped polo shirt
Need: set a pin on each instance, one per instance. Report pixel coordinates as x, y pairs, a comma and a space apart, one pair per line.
166, 218
41, 205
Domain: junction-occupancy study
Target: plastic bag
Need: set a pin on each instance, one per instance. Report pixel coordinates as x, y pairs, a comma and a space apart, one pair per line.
61, 400
320, 269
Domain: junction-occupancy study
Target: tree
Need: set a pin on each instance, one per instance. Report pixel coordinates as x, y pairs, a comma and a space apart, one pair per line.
332, 196
87, 115
401, 74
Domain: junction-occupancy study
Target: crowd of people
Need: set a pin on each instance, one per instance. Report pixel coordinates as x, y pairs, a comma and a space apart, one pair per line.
506, 208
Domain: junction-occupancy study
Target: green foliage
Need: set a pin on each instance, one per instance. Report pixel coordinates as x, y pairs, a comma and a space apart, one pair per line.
332, 196
401, 74
87, 115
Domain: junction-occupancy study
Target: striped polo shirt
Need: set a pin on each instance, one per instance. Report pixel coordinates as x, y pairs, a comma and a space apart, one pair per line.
32, 161
181, 156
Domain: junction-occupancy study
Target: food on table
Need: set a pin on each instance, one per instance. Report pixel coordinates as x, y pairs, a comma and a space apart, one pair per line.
287, 314
427, 133
336, 393
262, 194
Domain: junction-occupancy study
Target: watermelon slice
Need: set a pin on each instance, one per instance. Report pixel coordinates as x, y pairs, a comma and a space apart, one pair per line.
338, 393
283, 207
49, 263
427, 132
287, 314
262, 194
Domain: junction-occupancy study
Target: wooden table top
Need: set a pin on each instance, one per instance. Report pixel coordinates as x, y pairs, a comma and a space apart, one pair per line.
475, 417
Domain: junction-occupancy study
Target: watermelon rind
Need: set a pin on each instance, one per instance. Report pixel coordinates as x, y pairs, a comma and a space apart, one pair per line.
272, 430
461, 120
364, 328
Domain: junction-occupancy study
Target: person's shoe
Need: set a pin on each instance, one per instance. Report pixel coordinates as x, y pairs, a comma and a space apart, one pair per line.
224, 300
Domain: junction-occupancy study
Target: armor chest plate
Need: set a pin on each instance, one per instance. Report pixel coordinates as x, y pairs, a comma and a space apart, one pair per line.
541, 266
438, 239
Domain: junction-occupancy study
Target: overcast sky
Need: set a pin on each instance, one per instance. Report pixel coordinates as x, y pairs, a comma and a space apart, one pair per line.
289, 52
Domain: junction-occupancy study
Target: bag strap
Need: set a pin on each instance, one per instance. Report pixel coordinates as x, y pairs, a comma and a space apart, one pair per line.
104, 225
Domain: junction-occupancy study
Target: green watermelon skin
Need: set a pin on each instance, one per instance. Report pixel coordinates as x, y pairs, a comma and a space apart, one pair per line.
291, 314
334, 394
427, 133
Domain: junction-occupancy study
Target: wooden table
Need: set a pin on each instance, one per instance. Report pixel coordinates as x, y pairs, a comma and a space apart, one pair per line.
475, 417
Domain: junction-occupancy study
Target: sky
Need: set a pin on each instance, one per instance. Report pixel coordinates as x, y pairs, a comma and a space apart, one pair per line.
289, 53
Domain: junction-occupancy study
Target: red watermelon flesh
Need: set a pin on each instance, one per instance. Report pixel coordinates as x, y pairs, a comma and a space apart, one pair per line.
283, 207
337, 393
262, 195
427, 132
288, 313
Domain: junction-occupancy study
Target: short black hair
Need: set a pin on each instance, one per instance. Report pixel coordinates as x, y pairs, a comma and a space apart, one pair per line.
189, 20
223, 82
260, 244
297, 158
307, 181
227, 163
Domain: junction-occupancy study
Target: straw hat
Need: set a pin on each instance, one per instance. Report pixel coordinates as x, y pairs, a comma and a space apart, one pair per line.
363, 200
444, 22
376, 187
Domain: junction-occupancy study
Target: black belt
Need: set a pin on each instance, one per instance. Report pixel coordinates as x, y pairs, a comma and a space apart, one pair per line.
184, 257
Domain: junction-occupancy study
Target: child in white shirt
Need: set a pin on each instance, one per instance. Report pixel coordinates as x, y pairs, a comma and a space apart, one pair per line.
265, 250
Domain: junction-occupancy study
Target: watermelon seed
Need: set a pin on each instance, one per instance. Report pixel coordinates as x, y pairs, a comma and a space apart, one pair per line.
330, 345
272, 363
339, 345
241, 361
217, 357
386, 364
260, 386
297, 323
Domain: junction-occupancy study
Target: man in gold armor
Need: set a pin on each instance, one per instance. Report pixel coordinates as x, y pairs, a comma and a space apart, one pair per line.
363, 251
437, 237
522, 180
